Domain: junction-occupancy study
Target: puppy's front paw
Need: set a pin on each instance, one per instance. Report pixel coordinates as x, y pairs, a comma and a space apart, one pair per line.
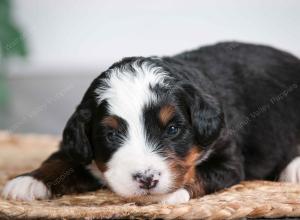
179, 196
292, 172
25, 188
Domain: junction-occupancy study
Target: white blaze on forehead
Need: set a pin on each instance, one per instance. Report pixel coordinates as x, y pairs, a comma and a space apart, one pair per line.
127, 91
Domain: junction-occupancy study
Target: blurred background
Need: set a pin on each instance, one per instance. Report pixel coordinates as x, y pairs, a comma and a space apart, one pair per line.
51, 50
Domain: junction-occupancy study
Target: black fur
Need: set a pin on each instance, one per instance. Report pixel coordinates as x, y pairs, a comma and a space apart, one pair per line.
238, 102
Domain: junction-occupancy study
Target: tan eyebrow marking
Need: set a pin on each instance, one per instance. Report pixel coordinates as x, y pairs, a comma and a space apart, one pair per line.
166, 113
110, 121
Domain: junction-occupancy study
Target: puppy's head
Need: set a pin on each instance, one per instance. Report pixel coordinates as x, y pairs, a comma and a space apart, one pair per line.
145, 129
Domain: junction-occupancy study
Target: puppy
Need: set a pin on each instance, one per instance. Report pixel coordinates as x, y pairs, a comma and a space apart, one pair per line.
174, 128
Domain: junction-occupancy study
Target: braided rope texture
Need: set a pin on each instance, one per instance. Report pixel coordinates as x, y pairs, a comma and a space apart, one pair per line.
253, 199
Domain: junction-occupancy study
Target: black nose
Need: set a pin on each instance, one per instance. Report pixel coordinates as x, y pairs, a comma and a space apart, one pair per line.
145, 181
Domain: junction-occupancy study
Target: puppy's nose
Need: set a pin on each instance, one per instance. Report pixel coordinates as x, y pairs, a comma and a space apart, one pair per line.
146, 181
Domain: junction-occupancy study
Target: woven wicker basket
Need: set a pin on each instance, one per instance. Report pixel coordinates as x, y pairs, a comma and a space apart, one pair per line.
19, 153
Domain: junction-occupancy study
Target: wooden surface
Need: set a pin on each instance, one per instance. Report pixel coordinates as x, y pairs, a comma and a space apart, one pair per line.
22, 153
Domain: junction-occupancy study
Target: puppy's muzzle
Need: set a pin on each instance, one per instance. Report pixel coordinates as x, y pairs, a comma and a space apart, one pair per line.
147, 179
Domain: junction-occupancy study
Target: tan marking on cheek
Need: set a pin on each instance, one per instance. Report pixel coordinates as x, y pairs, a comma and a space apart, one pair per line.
101, 166
110, 121
177, 169
184, 171
189, 177
190, 161
166, 113
192, 156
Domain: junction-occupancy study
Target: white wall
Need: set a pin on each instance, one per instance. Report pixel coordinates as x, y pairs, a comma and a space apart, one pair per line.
84, 37
69, 36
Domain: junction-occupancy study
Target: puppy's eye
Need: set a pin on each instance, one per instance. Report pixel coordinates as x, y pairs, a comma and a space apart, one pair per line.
112, 136
172, 130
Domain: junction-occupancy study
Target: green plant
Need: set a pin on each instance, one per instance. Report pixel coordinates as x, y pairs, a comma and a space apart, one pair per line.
12, 43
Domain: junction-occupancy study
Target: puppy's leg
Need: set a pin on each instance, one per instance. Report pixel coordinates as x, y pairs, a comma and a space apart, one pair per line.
56, 176
291, 172
179, 196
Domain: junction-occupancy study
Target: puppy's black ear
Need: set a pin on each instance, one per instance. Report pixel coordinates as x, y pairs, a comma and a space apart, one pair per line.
205, 114
76, 135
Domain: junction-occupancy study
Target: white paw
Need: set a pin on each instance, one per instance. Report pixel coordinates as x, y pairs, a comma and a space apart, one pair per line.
25, 188
292, 172
179, 196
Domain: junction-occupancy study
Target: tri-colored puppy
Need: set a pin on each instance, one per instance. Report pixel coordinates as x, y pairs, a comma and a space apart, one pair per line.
173, 128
